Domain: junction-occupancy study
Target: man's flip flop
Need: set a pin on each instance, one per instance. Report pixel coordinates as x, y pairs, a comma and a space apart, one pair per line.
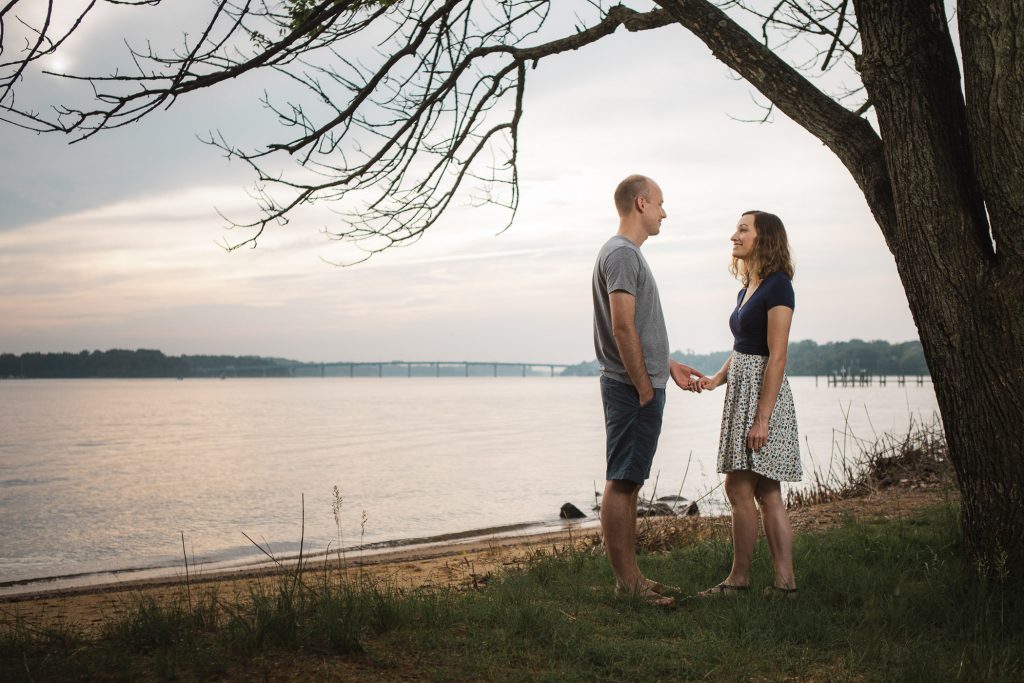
649, 597
664, 588
657, 587
779, 591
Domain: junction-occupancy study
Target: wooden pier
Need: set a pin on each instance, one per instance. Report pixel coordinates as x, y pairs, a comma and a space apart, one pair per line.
866, 379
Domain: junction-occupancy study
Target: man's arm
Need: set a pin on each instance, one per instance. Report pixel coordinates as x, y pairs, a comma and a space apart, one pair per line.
627, 339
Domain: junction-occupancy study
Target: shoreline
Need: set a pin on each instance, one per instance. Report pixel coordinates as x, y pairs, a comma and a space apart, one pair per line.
461, 564
369, 554
464, 564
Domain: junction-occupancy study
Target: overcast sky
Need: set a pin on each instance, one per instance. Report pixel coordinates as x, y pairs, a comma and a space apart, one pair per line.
112, 242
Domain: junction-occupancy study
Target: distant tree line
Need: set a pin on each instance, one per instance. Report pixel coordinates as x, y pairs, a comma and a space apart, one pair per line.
810, 358
874, 357
805, 358
135, 363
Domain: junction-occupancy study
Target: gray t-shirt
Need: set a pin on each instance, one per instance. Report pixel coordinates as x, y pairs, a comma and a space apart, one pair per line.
621, 267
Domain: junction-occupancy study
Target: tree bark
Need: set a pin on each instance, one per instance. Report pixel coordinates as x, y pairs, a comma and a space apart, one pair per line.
963, 283
928, 188
992, 40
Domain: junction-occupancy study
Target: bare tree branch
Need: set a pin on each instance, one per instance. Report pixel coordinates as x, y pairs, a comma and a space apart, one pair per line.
847, 134
387, 142
835, 36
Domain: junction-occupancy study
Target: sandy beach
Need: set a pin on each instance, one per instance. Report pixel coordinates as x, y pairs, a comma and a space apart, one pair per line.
461, 565
458, 564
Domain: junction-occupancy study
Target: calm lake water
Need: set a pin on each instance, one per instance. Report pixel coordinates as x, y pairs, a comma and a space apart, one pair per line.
103, 475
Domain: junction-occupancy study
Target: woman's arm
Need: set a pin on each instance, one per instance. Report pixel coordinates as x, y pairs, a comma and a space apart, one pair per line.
719, 378
780, 319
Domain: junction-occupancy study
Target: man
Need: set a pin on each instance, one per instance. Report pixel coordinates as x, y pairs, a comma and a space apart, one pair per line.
632, 348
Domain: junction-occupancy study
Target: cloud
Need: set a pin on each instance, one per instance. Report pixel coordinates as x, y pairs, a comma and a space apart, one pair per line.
113, 242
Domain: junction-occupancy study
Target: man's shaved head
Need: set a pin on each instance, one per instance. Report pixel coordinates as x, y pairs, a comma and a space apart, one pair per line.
628, 190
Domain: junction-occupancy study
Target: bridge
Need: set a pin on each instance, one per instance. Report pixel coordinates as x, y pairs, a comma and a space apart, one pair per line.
394, 368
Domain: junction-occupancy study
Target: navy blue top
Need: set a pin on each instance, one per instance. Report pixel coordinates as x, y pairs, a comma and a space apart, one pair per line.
749, 322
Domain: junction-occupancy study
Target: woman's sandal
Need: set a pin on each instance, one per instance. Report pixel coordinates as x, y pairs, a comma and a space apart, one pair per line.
722, 589
779, 591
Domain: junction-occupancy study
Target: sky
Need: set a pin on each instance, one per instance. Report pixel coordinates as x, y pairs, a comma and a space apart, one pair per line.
113, 242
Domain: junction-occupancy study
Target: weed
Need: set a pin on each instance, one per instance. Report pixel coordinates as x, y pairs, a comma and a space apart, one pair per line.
916, 458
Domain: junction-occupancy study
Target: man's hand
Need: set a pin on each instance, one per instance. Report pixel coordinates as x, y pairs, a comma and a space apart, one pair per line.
685, 377
646, 395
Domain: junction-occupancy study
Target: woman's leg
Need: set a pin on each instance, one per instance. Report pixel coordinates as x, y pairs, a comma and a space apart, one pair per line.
777, 530
739, 488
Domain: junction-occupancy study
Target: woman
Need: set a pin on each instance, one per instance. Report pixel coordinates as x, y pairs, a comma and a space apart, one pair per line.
759, 446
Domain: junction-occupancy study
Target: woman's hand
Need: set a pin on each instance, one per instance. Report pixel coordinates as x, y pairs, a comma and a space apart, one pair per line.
713, 382
758, 434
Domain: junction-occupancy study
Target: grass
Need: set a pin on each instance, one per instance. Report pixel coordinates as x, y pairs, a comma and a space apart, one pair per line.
918, 455
890, 601
879, 601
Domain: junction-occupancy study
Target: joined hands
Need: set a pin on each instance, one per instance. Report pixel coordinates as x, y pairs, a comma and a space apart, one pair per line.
690, 379
710, 383
686, 378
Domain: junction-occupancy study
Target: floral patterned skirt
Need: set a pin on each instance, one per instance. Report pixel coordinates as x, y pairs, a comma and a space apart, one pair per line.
779, 458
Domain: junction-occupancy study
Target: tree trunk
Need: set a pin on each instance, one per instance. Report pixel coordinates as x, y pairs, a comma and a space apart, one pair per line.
964, 288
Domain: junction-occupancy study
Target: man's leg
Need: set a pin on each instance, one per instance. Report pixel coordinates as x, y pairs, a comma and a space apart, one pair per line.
777, 530
618, 524
739, 488
632, 436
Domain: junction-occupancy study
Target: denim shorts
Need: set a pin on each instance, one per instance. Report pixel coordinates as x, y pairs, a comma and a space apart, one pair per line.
631, 431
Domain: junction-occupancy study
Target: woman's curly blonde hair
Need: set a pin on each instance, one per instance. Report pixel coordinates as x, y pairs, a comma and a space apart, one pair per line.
770, 253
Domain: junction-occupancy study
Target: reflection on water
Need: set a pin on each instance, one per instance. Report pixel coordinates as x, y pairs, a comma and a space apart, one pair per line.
106, 474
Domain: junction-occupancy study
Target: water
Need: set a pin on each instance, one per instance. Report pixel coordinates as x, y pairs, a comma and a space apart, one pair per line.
100, 475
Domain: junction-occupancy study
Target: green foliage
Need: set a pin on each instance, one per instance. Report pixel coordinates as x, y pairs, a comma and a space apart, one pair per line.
134, 364
874, 357
708, 363
890, 601
587, 368
805, 358
149, 625
810, 358
300, 11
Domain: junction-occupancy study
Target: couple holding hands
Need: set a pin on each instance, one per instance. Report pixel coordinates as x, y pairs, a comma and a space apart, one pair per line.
759, 446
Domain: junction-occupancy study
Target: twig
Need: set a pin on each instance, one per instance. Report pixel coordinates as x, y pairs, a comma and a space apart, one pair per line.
302, 542
263, 550
717, 486
188, 582
679, 495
